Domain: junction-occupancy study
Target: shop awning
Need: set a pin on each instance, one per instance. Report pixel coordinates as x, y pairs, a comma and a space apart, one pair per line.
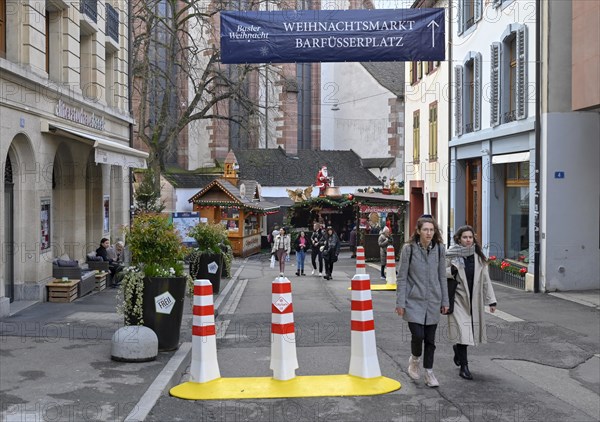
105, 151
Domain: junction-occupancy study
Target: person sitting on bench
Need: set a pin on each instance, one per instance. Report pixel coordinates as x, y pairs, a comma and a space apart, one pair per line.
113, 264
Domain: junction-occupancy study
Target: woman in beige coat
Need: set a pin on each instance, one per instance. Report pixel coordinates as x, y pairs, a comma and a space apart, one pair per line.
466, 325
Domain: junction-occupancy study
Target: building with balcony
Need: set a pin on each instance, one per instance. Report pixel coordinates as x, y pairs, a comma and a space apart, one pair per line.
65, 136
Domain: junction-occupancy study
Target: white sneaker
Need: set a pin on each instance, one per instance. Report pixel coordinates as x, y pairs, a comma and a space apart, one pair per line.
430, 379
320, 274
313, 272
413, 367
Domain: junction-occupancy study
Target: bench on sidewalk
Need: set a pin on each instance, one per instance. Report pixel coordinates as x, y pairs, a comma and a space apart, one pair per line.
72, 270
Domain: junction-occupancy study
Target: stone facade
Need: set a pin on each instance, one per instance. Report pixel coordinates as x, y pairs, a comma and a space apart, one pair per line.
64, 138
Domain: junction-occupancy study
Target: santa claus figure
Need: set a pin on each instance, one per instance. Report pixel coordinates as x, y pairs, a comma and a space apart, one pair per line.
322, 180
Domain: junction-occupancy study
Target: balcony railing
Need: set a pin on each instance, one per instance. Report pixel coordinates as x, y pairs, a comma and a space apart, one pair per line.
112, 23
90, 9
509, 116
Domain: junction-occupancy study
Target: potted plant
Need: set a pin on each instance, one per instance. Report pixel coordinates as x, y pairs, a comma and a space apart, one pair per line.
208, 257
153, 288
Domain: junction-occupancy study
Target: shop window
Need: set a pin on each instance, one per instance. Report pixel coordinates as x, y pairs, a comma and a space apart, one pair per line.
517, 212
251, 225
230, 218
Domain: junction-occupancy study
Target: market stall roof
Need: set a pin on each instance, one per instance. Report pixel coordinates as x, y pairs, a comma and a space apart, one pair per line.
273, 167
189, 180
244, 194
378, 163
378, 197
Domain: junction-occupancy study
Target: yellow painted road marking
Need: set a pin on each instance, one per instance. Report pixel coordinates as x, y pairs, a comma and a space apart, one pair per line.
269, 388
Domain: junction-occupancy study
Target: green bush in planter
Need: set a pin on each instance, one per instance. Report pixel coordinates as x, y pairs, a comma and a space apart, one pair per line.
211, 238
156, 251
155, 245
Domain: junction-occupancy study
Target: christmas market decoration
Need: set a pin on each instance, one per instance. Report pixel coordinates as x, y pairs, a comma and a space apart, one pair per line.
236, 204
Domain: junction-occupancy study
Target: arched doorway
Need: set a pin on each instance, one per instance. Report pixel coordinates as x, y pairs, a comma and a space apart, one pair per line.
8, 248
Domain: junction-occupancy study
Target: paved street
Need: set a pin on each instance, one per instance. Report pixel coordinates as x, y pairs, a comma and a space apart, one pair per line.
542, 362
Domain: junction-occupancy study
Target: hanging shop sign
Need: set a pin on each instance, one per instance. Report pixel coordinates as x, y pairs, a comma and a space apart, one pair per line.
290, 36
380, 208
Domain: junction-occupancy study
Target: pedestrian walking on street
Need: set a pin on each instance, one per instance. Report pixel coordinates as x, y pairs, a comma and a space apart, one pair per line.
317, 240
384, 240
281, 248
302, 244
467, 264
352, 242
422, 294
331, 250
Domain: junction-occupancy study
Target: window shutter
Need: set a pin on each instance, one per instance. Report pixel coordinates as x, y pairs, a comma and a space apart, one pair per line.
478, 10
477, 92
495, 105
461, 17
521, 103
458, 101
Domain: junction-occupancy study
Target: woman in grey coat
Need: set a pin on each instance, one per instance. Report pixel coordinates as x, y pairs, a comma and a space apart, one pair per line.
422, 293
384, 240
467, 264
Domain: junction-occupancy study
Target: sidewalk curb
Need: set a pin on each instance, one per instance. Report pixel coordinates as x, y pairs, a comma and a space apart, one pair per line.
172, 371
176, 366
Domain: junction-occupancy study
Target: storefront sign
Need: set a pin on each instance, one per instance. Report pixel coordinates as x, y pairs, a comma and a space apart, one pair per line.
78, 115
379, 208
251, 242
290, 36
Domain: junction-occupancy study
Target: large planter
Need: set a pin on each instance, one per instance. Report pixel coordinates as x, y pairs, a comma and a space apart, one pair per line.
163, 309
208, 266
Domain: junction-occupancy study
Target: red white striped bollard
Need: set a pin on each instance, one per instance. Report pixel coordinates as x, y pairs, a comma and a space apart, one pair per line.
390, 266
361, 267
283, 336
363, 348
205, 366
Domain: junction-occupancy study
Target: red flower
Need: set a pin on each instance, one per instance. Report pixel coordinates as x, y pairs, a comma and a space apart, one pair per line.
521, 257
504, 265
523, 270
493, 257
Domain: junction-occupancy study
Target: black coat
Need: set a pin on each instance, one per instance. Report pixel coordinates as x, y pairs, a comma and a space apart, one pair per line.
306, 244
332, 247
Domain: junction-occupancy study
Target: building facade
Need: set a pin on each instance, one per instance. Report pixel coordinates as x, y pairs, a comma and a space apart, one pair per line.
64, 138
426, 167
569, 146
492, 149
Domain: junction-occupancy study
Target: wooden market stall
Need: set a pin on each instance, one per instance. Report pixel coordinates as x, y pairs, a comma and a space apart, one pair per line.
238, 205
374, 211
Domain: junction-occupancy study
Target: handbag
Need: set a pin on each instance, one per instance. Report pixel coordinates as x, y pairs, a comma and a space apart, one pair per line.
452, 284
272, 261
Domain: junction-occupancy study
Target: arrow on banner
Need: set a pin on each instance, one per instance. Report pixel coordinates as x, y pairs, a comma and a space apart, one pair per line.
433, 25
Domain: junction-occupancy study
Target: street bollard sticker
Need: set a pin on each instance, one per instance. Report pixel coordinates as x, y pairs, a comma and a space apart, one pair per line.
164, 303
213, 267
281, 304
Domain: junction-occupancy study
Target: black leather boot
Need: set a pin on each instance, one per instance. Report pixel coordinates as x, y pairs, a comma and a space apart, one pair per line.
464, 371
456, 358
464, 363
298, 272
